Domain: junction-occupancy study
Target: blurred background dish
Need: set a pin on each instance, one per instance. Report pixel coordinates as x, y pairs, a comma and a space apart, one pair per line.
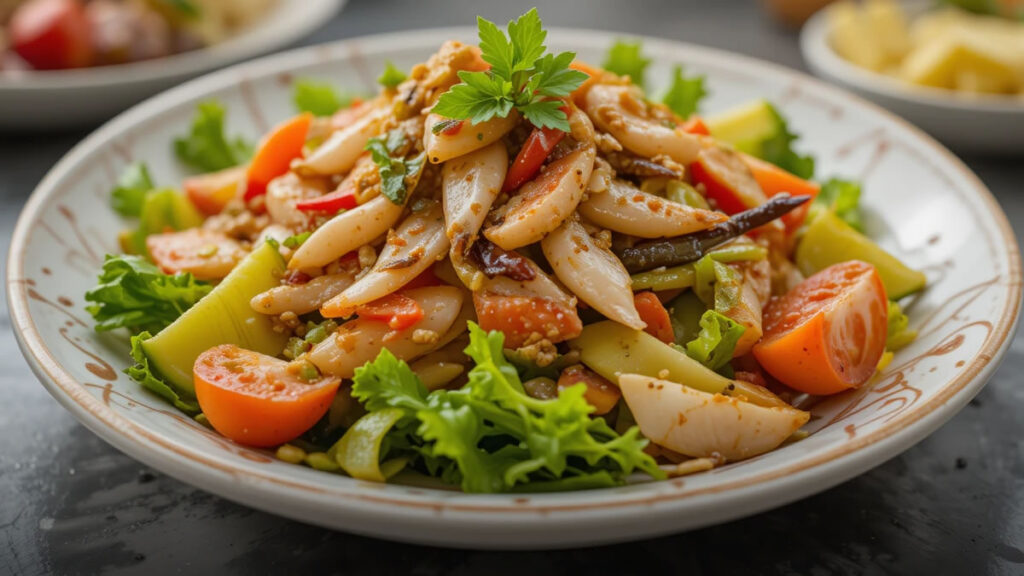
957, 75
67, 63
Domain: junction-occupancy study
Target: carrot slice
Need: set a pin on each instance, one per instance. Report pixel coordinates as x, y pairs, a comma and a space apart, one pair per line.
601, 394
653, 313
774, 180
275, 153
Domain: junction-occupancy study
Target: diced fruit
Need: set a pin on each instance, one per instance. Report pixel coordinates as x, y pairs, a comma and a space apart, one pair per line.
828, 240
222, 317
162, 211
258, 400
828, 333
601, 394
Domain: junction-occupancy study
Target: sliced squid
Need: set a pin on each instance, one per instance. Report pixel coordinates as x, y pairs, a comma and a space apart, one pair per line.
284, 191
301, 298
543, 203
468, 137
346, 232
592, 273
338, 154
417, 243
622, 112
700, 424
359, 341
624, 208
748, 308
471, 183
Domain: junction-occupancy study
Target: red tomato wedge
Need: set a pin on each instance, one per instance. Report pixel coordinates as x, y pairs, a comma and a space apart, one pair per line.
727, 180
52, 34
653, 313
774, 180
531, 157
828, 333
601, 394
275, 153
519, 317
397, 310
210, 193
344, 198
258, 400
695, 125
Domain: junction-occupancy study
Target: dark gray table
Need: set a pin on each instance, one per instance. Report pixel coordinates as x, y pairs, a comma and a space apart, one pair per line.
69, 503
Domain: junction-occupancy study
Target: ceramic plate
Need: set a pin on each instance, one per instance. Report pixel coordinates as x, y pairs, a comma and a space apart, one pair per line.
68, 98
989, 124
922, 203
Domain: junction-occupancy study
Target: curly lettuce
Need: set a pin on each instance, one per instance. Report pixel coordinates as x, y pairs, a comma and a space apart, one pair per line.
490, 436
133, 293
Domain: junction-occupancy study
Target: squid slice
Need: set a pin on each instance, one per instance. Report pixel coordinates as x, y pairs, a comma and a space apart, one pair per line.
417, 243
468, 137
346, 232
359, 341
543, 203
471, 183
301, 298
338, 154
622, 112
626, 209
282, 194
748, 308
700, 424
592, 273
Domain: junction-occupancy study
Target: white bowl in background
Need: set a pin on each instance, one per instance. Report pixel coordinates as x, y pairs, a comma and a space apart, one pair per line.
986, 124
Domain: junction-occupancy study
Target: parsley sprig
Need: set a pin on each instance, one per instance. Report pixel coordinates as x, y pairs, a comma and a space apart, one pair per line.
388, 153
521, 77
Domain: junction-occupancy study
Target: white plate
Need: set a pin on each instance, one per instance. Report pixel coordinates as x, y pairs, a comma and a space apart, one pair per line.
68, 98
988, 124
922, 204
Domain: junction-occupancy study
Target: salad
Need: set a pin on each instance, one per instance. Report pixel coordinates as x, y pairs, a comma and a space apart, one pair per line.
510, 270
61, 34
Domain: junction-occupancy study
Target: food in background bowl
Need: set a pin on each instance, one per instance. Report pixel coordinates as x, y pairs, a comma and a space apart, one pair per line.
946, 48
60, 34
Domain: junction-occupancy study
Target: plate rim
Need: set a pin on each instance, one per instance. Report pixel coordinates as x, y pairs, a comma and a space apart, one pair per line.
246, 486
825, 62
263, 37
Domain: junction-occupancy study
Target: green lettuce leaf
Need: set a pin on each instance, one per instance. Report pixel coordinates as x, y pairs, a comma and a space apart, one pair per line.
490, 436
130, 193
899, 334
133, 293
626, 59
318, 98
716, 341
843, 198
206, 148
685, 93
779, 150
145, 376
391, 77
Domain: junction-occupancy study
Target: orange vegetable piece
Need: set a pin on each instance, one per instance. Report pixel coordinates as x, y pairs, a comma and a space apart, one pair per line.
275, 153
828, 333
210, 193
653, 313
518, 317
258, 400
601, 394
774, 180
398, 310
